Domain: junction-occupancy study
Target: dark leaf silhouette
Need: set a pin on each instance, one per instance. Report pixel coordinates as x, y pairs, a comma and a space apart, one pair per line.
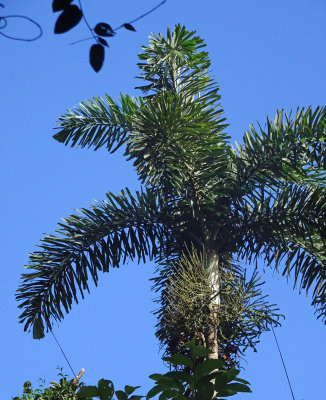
104, 29
69, 18
102, 41
129, 27
96, 56
58, 5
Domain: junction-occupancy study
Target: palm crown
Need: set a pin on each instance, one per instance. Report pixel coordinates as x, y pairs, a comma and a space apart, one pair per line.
262, 200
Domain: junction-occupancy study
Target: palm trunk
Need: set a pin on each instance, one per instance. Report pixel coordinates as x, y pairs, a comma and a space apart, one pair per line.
212, 268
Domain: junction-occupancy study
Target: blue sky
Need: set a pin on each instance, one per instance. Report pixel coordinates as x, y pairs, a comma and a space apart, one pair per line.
265, 55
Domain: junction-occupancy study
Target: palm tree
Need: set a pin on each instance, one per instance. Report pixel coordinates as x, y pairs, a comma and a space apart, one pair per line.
204, 208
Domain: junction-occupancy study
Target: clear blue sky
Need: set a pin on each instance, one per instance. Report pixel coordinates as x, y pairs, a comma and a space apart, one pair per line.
265, 55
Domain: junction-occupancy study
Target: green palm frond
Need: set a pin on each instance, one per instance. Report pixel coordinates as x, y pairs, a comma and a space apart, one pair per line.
287, 228
291, 150
121, 228
174, 141
174, 137
173, 62
97, 123
307, 264
178, 144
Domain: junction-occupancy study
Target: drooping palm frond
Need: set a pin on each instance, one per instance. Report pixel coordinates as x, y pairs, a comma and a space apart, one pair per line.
287, 228
121, 228
97, 123
291, 150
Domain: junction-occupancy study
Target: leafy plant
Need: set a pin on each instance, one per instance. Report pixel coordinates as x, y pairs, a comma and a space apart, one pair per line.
200, 377
62, 390
104, 391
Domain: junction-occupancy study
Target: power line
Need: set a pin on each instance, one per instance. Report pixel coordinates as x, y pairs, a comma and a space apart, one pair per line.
286, 373
74, 374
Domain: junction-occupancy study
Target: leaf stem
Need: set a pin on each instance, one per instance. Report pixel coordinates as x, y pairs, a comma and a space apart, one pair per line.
86, 22
81, 40
119, 27
143, 15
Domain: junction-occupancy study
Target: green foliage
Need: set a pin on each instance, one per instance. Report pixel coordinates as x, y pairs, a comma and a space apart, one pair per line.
62, 390
68, 390
118, 228
104, 391
200, 378
97, 123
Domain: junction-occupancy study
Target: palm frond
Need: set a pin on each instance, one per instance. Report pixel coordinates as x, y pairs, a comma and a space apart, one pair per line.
288, 229
97, 123
170, 60
291, 150
178, 144
121, 228
172, 140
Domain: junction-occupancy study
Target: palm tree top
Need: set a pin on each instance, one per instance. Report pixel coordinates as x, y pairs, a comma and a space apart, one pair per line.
262, 201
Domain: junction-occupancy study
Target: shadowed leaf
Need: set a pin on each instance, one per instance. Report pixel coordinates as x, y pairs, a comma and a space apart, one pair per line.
88, 392
129, 27
69, 18
104, 29
121, 395
58, 5
102, 41
130, 389
105, 389
96, 56
238, 387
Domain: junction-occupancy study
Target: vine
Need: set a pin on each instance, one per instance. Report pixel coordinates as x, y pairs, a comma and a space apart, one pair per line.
4, 24
70, 16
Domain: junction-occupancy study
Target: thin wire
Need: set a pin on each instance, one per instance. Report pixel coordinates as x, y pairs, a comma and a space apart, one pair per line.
279, 350
74, 374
